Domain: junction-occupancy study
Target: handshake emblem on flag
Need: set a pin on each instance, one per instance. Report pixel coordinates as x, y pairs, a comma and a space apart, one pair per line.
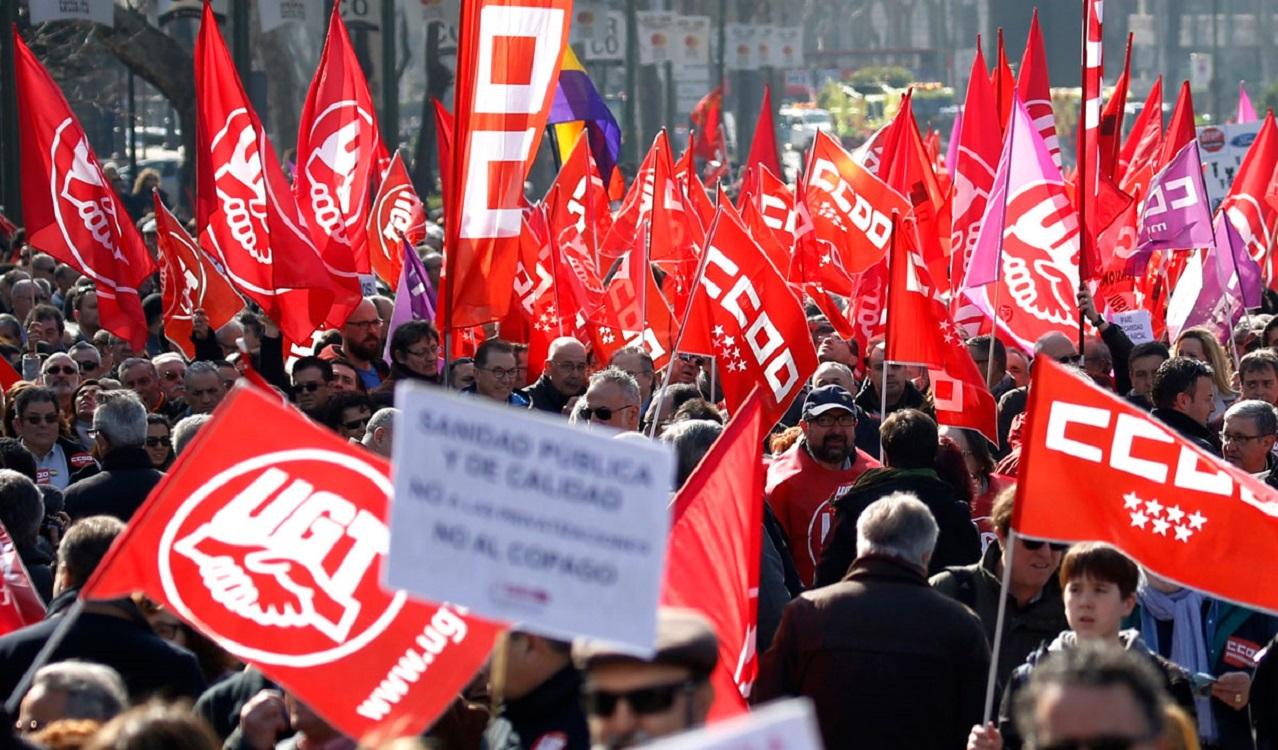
266, 556
84, 188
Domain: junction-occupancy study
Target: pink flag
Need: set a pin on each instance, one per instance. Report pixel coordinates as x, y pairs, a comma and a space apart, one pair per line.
1175, 214
1246, 112
1025, 160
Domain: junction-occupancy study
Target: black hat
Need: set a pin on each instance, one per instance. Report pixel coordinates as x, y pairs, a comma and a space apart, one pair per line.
827, 398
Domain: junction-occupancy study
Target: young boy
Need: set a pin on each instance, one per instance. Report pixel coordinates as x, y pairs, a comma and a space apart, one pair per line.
1099, 587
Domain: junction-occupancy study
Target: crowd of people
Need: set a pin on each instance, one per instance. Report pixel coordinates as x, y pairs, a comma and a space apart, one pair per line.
886, 539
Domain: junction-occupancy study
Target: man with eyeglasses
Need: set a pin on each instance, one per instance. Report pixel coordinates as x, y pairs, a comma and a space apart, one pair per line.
802, 481
311, 378
37, 421
887, 661
1248, 437
414, 351
171, 369
362, 344
60, 374
495, 371
612, 400
630, 700
563, 378
1035, 611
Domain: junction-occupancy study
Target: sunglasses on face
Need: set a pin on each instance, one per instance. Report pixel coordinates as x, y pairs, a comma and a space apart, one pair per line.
355, 424
64, 370
36, 419
88, 365
1035, 546
156, 442
643, 701
310, 387
602, 412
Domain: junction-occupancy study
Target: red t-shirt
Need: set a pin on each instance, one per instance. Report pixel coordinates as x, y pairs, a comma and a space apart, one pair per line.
799, 491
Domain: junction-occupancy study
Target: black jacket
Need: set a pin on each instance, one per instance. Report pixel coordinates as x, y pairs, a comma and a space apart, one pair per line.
549, 716
1264, 697
888, 662
124, 482
220, 705
1187, 428
959, 542
544, 396
122, 640
871, 404
1176, 680
1024, 629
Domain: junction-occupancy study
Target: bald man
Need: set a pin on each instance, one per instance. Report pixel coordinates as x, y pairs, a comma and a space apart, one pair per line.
563, 377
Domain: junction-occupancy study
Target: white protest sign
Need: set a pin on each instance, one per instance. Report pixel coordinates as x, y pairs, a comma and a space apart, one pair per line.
1222, 148
526, 519
655, 29
1136, 324
783, 725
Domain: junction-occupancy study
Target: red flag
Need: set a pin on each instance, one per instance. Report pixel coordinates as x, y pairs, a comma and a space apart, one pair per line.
8, 375
508, 59
1094, 467
715, 539
245, 208
269, 537
397, 217
189, 282
763, 146
744, 313
1143, 145
339, 152
1036, 89
907, 170
850, 208
20, 604
1003, 83
1111, 127
444, 127
1089, 176
921, 332
707, 124
1180, 129
978, 153
69, 208
1255, 218
770, 217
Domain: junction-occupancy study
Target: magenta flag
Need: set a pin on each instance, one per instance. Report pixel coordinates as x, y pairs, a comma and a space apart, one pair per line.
1175, 213
1246, 112
1025, 160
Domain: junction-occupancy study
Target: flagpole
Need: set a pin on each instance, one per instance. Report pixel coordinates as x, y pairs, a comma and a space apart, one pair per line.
42, 657
683, 324
1082, 183
887, 328
996, 645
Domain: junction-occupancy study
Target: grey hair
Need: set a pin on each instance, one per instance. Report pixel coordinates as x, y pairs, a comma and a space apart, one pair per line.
691, 439
121, 418
381, 418
201, 367
620, 378
84, 346
838, 367
94, 691
898, 525
1260, 412
184, 431
134, 362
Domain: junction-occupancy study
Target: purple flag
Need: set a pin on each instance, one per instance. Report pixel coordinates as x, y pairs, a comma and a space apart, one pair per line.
1025, 160
1174, 214
1219, 284
1238, 271
412, 297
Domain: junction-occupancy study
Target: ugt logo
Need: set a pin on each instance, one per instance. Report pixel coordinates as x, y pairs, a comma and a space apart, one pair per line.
272, 551
336, 169
82, 201
240, 185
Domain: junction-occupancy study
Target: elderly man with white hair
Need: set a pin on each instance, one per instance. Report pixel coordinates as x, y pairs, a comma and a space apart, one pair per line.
887, 661
72, 690
379, 434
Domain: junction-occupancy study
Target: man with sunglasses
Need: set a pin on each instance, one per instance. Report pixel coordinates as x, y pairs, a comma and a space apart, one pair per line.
630, 700
1035, 611
887, 661
563, 378
612, 400
802, 480
60, 374
88, 359
171, 370
37, 421
311, 379
127, 476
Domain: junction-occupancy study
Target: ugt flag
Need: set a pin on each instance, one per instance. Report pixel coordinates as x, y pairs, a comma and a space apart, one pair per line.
268, 536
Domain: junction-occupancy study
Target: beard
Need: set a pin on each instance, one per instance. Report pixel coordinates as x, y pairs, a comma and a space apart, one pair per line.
368, 348
833, 449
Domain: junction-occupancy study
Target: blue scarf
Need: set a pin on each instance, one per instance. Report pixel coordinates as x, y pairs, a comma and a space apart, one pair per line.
1184, 609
